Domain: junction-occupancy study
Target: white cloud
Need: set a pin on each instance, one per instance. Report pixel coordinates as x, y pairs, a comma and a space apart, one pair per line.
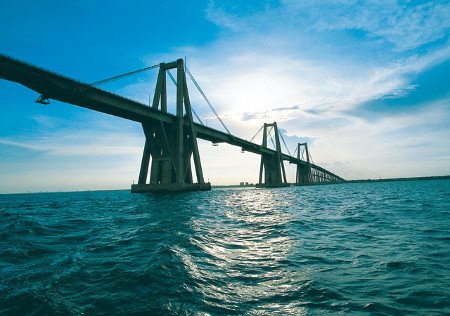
95, 135
252, 82
46, 120
405, 25
64, 148
97, 153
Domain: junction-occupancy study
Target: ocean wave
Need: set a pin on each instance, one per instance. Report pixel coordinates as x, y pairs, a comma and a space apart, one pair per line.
375, 248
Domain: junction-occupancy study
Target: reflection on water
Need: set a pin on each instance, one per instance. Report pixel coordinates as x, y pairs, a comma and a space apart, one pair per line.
247, 242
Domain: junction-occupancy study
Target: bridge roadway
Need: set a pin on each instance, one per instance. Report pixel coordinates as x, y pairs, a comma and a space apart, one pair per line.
55, 86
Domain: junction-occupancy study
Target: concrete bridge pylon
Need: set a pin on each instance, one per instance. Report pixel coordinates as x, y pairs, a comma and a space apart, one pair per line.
169, 147
303, 174
271, 170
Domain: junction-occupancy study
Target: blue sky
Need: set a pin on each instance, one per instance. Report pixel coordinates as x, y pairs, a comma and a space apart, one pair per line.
365, 83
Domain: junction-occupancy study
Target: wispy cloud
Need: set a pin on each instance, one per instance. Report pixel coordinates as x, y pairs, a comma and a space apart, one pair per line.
276, 114
64, 148
46, 121
405, 25
253, 86
94, 136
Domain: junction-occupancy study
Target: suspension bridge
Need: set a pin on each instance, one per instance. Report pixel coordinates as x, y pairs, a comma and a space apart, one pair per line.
170, 139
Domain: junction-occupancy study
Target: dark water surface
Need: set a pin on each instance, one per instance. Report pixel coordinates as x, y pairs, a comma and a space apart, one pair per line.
357, 248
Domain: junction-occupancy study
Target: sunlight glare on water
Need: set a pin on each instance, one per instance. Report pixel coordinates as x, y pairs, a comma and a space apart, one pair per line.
249, 245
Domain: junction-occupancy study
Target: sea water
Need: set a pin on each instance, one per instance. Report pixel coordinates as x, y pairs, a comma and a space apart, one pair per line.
354, 248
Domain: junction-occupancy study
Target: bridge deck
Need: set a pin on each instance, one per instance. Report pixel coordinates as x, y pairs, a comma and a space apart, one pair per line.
59, 87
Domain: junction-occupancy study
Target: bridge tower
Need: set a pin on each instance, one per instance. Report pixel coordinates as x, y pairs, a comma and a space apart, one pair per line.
171, 146
303, 175
272, 165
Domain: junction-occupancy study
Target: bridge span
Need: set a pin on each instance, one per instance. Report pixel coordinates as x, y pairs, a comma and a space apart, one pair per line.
171, 140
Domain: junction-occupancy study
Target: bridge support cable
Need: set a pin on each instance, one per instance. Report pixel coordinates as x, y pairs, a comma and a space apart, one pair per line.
282, 138
310, 158
175, 83
284, 142
206, 99
100, 82
260, 129
170, 148
44, 100
271, 138
271, 170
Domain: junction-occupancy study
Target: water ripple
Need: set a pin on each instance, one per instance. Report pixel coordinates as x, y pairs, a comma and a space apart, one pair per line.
374, 248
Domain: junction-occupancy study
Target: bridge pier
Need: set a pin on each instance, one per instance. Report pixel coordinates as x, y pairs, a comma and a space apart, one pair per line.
304, 175
308, 173
271, 170
170, 147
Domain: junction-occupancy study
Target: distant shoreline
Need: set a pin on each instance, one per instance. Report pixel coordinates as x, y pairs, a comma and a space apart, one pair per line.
400, 179
251, 185
348, 181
